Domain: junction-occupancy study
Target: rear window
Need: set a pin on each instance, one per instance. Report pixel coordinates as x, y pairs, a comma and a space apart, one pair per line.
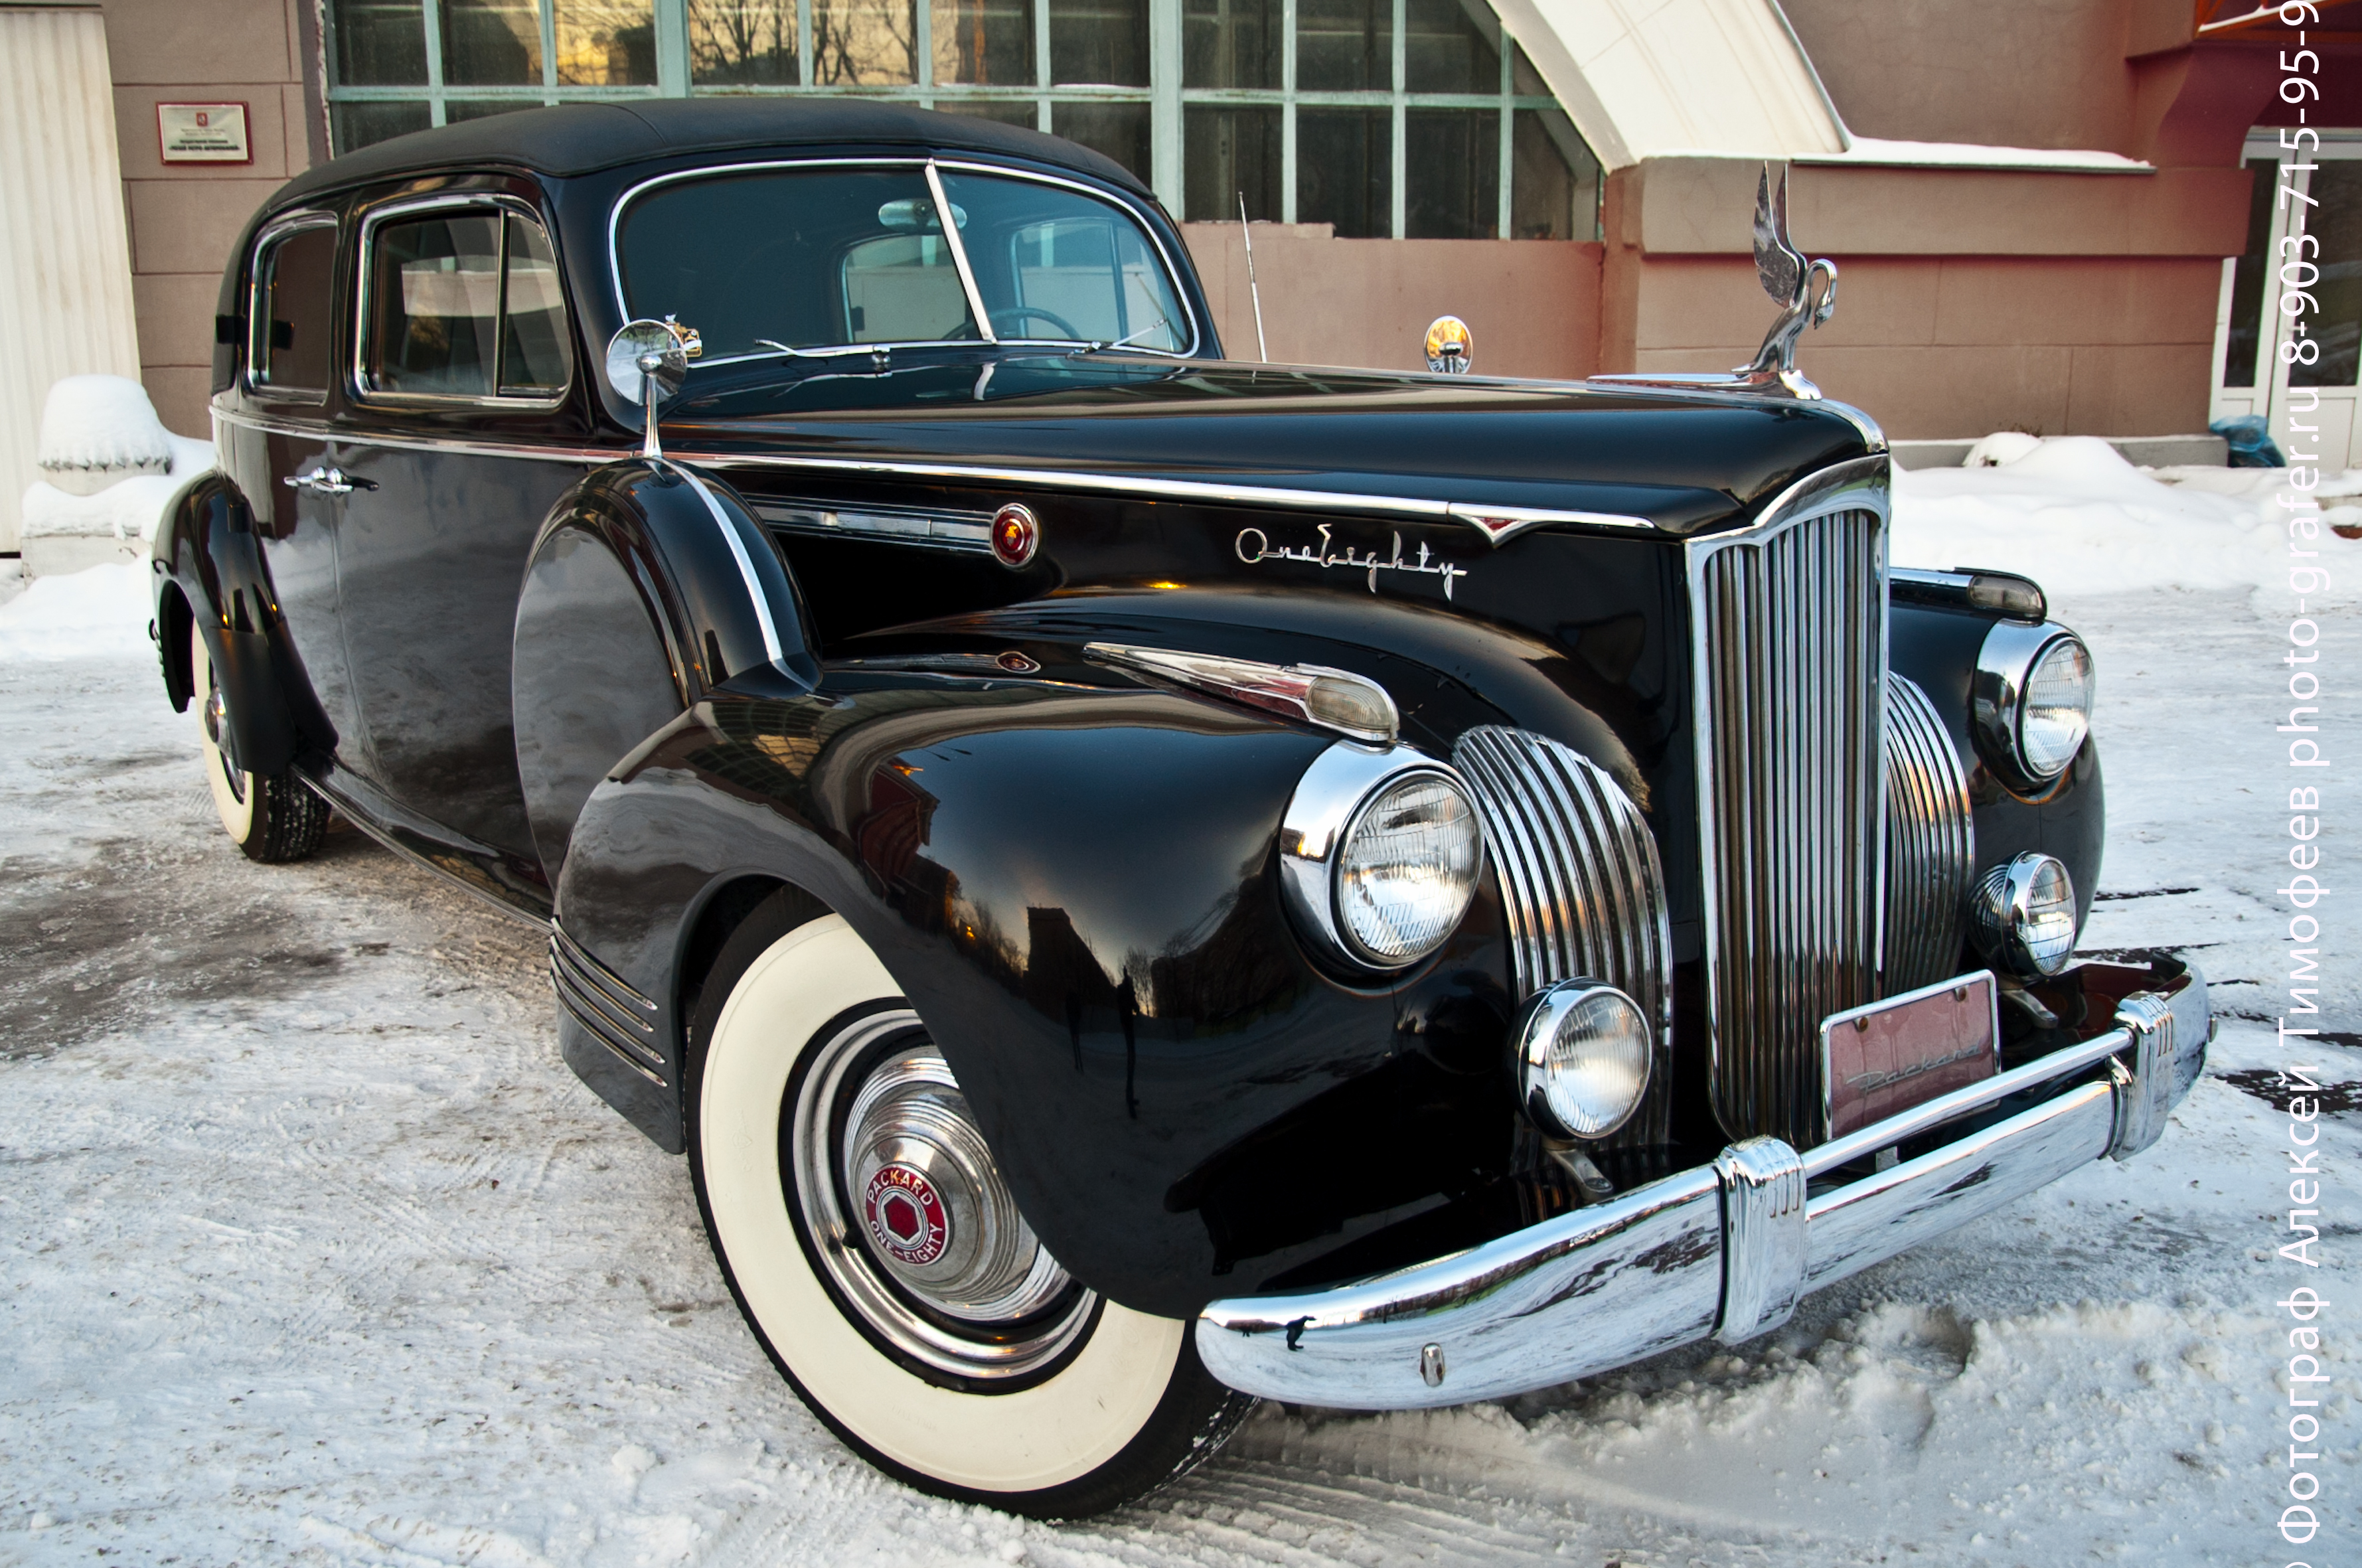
465, 304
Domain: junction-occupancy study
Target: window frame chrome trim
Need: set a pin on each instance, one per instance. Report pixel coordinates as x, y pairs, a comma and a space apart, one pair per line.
284, 226
1173, 274
374, 217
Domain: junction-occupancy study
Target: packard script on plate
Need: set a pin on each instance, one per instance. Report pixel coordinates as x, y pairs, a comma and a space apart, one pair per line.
1352, 561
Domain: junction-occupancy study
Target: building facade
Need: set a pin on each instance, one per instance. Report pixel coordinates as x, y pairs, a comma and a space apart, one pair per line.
2045, 212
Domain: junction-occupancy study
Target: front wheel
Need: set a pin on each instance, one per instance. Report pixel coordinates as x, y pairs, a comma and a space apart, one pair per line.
272, 818
878, 1255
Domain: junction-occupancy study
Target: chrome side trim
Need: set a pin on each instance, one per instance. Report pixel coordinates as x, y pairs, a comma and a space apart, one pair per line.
970, 532
1931, 843
1581, 888
1147, 486
605, 1005
1722, 1249
1762, 1237
1499, 525
1296, 690
1788, 641
754, 594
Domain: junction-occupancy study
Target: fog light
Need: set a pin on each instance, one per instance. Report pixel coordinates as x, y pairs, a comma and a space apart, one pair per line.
2023, 917
1583, 1059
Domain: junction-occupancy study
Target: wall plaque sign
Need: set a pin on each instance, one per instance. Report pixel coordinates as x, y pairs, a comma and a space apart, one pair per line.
202, 133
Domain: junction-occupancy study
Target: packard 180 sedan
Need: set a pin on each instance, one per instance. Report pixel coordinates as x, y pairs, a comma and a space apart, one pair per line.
1139, 880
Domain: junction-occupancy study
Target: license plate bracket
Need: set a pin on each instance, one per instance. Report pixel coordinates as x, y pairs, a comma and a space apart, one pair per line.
1880, 1060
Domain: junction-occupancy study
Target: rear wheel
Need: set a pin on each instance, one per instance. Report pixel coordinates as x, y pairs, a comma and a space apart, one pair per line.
878, 1255
275, 818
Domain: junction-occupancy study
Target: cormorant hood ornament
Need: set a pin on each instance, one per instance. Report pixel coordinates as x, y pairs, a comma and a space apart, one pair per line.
1788, 278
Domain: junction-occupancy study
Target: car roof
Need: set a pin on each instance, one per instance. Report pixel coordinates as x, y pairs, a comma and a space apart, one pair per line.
581, 139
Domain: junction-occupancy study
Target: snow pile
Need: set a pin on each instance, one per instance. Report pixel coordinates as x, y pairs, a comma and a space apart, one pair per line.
98, 429
2071, 514
126, 510
97, 613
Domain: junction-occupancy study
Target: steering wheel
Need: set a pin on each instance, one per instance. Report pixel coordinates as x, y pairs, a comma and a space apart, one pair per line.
1052, 317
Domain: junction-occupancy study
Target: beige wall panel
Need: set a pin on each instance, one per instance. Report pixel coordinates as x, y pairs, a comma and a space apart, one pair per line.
184, 397
191, 225
1696, 301
267, 132
1918, 394
176, 318
2135, 389
65, 265
1693, 205
1532, 305
166, 41
2074, 300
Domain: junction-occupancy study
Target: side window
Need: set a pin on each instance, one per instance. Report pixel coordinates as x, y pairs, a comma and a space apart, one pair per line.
465, 304
294, 280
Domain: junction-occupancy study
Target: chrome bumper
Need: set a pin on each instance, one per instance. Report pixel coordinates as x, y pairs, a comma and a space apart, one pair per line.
1724, 1250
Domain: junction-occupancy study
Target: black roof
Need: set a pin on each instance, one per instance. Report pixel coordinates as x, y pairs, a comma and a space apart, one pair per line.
580, 138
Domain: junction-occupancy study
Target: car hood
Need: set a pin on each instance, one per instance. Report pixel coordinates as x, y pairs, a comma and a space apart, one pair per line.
1685, 461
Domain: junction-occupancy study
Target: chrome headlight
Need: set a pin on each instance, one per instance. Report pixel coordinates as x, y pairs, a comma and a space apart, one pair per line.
1379, 855
2022, 916
1583, 1059
2031, 702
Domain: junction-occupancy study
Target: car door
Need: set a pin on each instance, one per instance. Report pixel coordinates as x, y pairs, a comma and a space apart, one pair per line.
468, 425
277, 451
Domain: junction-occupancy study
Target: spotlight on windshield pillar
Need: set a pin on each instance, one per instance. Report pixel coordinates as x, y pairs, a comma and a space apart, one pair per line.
1449, 346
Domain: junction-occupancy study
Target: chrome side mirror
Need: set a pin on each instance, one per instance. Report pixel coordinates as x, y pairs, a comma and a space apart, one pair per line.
1449, 346
648, 361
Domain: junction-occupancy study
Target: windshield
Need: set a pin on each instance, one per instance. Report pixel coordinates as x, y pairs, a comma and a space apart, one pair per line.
816, 259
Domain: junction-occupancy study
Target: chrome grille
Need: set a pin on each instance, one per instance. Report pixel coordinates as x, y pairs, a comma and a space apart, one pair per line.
1581, 887
1931, 844
1789, 637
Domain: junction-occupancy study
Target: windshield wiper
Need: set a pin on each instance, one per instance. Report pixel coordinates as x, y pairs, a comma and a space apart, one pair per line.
1162, 324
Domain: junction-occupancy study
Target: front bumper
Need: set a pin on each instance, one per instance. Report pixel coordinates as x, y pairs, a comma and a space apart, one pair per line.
1724, 1250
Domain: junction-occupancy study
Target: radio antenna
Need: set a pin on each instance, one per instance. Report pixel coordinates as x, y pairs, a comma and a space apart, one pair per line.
1253, 292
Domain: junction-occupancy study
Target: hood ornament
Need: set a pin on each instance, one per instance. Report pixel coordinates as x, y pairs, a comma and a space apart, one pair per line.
1788, 278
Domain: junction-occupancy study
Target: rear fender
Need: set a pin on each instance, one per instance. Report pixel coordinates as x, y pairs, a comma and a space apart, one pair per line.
1072, 884
207, 549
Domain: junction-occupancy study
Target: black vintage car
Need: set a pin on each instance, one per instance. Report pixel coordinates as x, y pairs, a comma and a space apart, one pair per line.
1143, 881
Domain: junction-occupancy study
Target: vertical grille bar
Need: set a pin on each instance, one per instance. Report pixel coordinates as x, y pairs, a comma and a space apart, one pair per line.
1789, 624
1931, 846
1580, 886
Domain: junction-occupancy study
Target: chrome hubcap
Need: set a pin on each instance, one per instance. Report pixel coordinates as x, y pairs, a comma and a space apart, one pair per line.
213, 715
911, 1219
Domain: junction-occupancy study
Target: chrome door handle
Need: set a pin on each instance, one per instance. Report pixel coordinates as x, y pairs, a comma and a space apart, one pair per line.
328, 481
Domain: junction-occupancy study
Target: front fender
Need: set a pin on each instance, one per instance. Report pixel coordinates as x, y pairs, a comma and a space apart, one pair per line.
1073, 884
209, 552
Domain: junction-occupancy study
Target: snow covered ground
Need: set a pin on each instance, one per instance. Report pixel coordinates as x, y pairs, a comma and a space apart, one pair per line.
312, 1251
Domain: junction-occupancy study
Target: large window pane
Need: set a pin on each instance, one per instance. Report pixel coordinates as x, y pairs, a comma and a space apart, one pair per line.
294, 283
1118, 130
536, 357
1230, 43
2247, 279
1227, 153
606, 43
987, 43
1344, 46
1554, 186
742, 42
1344, 170
1100, 41
1453, 174
492, 43
1446, 49
380, 43
434, 298
866, 43
356, 126
2337, 224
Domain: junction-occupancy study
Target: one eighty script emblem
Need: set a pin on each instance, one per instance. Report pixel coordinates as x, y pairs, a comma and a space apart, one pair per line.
1352, 561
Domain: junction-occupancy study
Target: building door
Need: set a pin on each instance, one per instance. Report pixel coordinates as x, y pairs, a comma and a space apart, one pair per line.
2296, 365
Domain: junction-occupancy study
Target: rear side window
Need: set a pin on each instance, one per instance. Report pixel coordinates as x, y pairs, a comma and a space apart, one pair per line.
465, 304
293, 277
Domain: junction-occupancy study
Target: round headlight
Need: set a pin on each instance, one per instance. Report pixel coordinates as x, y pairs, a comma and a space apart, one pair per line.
2023, 916
1407, 870
2032, 700
1583, 1059
1379, 855
2057, 713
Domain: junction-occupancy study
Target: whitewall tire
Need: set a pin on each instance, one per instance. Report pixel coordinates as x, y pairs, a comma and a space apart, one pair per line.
874, 1250
272, 819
